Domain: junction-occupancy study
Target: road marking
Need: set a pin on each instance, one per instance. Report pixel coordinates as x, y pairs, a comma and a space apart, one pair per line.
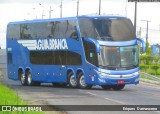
115, 101
106, 98
91, 93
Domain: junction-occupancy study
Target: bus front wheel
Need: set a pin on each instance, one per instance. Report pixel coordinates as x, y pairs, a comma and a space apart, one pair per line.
81, 82
118, 87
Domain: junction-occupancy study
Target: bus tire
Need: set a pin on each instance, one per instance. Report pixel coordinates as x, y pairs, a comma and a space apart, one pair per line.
23, 78
118, 87
81, 82
106, 87
71, 80
29, 78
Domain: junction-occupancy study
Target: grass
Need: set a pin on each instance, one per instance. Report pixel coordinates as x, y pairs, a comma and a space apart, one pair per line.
9, 97
144, 77
151, 72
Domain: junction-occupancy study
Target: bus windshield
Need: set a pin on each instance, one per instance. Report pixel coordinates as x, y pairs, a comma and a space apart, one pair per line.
108, 29
118, 57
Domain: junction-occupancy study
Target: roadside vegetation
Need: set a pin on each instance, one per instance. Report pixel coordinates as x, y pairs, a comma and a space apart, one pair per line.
150, 64
9, 97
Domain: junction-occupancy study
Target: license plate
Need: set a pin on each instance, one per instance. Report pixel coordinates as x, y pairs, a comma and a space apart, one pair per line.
120, 81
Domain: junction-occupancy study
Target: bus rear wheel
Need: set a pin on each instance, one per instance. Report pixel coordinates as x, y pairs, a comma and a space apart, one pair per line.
23, 79
29, 78
118, 87
71, 80
81, 82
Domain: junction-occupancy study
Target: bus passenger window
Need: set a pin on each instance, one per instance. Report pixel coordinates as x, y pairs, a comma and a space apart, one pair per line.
10, 61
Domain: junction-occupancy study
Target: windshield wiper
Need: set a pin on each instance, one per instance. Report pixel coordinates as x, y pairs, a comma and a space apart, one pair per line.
109, 66
132, 65
107, 38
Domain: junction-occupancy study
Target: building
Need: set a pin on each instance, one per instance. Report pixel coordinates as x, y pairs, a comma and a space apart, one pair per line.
155, 50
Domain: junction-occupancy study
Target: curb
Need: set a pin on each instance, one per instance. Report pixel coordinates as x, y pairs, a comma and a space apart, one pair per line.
150, 81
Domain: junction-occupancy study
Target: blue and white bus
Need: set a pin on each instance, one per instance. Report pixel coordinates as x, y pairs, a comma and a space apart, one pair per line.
77, 51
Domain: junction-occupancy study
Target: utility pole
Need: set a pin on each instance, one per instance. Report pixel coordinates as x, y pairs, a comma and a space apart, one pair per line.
99, 7
50, 10
77, 7
61, 9
126, 8
135, 16
43, 14
146, 30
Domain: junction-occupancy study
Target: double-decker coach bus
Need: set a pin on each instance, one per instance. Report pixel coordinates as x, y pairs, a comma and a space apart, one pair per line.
80, 51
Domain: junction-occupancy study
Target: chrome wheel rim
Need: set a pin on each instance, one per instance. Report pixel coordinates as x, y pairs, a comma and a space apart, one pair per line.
73, 82
22, 78
29, 79
82, 81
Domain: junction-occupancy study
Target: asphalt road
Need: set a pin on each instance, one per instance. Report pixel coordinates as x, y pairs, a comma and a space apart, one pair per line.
141, 94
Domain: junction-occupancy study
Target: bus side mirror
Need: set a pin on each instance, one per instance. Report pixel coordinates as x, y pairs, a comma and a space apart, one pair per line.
143, 44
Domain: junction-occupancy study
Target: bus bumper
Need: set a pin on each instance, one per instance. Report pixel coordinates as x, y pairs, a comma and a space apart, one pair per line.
105, 77
115, 81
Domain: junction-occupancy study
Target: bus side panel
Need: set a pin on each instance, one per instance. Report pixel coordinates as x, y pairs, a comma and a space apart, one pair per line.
49, 73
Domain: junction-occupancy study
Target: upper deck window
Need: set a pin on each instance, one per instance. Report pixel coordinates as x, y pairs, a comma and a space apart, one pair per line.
48, 29
109, 29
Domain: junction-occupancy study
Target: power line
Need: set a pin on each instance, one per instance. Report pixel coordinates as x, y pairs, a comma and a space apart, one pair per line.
149, 29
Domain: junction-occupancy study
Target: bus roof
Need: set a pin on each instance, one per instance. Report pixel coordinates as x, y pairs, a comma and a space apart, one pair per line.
67, 18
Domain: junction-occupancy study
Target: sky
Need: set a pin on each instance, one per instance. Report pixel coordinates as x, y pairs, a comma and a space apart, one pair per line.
19, 10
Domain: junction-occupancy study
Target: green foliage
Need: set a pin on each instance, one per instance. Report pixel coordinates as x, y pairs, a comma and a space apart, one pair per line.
146, 59
148, 63
143, 67
156, 60
9, 97
158, 72
155, 67
148, 49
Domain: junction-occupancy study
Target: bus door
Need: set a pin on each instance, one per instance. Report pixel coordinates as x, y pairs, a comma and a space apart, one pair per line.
60, 69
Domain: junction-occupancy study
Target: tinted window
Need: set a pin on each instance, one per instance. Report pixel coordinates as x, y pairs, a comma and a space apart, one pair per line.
73, 58
55, 58
90, 52
87, 29
9, 58
35, 30
13, 31
53, 29
65, 29
109, 29
119, 57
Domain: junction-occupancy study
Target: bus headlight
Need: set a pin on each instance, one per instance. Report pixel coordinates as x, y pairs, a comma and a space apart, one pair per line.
104, 74
101, 73
136, 73
102, 80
